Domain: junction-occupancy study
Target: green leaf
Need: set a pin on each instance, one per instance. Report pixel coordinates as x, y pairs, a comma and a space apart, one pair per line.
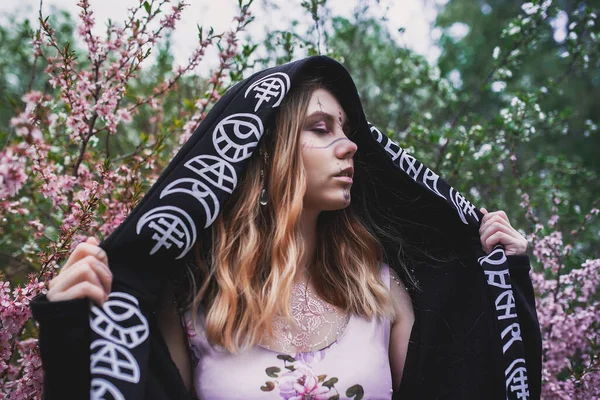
147, 7
286, 357
335, 397
268, 386
355, 391
330, 383
322, 377
187, 103
272, 371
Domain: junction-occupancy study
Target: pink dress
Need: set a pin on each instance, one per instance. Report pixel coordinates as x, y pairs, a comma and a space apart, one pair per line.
355, 364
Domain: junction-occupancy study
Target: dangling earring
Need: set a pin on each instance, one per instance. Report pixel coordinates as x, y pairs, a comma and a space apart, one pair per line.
263, 198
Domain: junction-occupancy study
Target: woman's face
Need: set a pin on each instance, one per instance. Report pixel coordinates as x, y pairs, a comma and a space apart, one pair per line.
327, 154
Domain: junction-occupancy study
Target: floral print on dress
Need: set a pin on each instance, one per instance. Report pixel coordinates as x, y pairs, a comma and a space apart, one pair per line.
194, 351
298, 381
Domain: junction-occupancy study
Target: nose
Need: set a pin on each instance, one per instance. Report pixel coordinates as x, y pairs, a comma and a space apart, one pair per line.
345, 148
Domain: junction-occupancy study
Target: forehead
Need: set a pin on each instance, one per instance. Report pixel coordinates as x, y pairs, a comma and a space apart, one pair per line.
323, 100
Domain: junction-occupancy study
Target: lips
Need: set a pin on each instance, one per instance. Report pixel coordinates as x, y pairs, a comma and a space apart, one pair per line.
347, 172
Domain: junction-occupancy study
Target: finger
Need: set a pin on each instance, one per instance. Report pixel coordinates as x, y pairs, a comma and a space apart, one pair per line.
502, 215
88, 269
486, 215
491, 219
83, 250
483, 210
497, 224
102, 271
93, 241
492, 230
80, 291
497, 238
495, 214
78, 273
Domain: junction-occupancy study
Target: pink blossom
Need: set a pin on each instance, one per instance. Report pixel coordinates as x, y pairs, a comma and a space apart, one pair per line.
52, 159
302, 383
124, 115
39, 228
12, 173
525, 202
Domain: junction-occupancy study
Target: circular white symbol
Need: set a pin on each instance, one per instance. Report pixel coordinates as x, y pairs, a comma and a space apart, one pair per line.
101, 390
237, 135
215, 171
108, 358
120, 320
172, 226
274, 85
200, 192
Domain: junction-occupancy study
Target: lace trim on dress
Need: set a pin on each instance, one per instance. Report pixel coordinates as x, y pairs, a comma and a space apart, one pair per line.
315, 324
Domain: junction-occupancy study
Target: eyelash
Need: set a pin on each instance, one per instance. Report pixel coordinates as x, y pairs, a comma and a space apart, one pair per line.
321, 130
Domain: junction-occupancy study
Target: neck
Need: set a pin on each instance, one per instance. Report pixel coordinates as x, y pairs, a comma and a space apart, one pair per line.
308, 233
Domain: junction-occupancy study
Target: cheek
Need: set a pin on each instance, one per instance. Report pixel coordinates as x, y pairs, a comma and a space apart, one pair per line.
312, 160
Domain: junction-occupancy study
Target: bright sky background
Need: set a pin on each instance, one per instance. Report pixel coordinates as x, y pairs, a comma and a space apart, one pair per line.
416, 16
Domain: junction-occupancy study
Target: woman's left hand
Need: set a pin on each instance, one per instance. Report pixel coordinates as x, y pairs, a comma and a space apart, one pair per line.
496, 229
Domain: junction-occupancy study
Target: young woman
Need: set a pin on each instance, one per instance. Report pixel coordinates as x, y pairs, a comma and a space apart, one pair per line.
297, 290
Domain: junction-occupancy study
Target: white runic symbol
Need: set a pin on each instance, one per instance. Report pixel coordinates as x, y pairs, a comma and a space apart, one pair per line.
490, 258
515, 334
108, 321
199, 191
100, 388
376, 133
170, 229
388, 145
507, 309
410, 165
463, 206
498, 278
166, 229
216, 171
236, 136
108, 358
430, 176
273, 85
516, 379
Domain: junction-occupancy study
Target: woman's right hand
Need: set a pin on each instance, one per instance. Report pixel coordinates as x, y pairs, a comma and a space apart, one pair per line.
85, 275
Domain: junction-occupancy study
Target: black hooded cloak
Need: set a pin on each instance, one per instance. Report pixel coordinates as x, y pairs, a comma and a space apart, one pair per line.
476, 334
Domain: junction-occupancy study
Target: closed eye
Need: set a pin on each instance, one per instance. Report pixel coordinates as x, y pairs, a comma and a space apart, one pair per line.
321, 131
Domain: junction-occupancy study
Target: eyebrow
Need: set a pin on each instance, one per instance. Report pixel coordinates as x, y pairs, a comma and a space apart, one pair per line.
330, 117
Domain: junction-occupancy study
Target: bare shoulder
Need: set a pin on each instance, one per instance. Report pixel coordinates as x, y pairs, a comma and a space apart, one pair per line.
401, 328
401, 299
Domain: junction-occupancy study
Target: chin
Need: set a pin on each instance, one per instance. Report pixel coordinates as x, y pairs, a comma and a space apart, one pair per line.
330, 202
337, 205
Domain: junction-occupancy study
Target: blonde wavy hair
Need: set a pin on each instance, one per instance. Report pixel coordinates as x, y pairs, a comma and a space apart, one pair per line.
249, 262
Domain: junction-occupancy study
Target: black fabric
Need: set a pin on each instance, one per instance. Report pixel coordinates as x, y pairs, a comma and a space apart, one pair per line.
456, 355
436, 362
457, 344
64, 346
530, 327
